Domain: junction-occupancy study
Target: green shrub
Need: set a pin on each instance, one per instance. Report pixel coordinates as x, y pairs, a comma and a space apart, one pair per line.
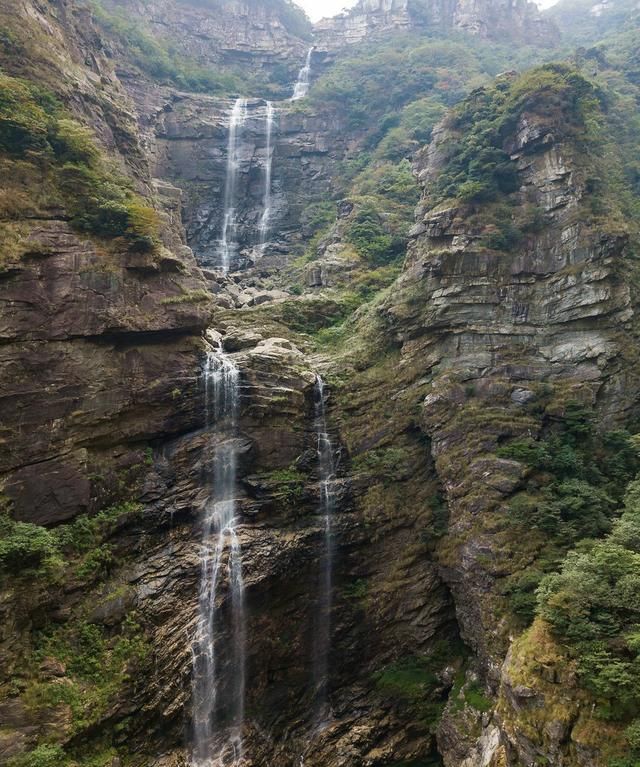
592, 605
23, 120
479, 168
475, 697
43, 756
73, 143
24, 546
367, 234
356, 590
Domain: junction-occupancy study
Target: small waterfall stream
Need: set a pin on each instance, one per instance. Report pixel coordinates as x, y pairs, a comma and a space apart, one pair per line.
220, 552
228, 240
301, 87
266, 200
322, 632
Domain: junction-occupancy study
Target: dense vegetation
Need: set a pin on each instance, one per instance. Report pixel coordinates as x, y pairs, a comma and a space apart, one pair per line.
577, 480
590, 609
592, 606
479, 168
376, 82
393, 91
586, 21
39, 139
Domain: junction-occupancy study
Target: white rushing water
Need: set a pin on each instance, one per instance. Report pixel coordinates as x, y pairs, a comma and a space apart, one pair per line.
270, 116
327, 476
216, 683
228, 245
301, 87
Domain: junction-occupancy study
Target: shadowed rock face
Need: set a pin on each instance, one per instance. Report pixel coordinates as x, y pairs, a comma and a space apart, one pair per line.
188, 139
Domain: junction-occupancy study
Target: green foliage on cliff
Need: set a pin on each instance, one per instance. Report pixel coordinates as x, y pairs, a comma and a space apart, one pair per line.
25, 547
382, 77
293, 18
98, 663
372, 240
479, 168
411, 129
37, 131
592, 605
46, 755
584, 21
578, 481
413, 683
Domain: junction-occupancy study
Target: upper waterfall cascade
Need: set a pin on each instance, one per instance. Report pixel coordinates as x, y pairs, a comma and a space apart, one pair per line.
246, 118
266, 200
228, 245
301, 88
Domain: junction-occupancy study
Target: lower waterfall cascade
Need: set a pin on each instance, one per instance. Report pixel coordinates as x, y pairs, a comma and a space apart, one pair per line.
214, 684
322, 632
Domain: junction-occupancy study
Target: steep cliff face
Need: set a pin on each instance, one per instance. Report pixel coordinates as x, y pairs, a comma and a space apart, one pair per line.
265, 38
101, 342
515, 303
371, 18
85, 316
508, 338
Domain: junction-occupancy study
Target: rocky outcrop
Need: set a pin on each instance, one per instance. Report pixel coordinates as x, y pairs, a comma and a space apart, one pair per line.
491, 329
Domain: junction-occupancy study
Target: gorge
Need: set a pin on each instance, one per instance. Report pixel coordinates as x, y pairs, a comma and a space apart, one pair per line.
319, 403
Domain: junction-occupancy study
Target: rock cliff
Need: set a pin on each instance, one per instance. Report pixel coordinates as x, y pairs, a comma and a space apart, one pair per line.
264, 39
507, 339
517, 298
371, 18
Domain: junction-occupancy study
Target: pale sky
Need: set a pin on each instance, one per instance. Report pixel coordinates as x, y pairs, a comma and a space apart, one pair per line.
317, 9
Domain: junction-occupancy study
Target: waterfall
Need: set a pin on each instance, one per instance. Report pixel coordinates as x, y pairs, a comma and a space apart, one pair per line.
220, 554
228, 241
266, 199
327, 475
302, 85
